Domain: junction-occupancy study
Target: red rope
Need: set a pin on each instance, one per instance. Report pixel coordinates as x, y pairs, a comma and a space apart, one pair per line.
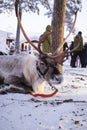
43, 95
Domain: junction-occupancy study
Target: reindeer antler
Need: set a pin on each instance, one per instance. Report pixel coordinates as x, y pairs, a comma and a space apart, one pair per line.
72, 25
57, 53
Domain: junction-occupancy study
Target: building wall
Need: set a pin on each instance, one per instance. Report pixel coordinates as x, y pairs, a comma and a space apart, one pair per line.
3, 40
3, 46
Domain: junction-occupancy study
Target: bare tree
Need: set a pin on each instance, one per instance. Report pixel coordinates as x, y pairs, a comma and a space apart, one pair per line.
58, 20
17, 41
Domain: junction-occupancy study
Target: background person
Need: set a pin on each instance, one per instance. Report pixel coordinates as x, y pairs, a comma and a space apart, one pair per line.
79, 51
72, 54
46, 46
85, 54
65, 47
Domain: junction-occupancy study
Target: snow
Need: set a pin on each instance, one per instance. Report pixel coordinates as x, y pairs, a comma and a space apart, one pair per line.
67, 110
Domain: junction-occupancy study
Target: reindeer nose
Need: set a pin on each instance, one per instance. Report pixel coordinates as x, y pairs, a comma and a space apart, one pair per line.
56, 79
59, 78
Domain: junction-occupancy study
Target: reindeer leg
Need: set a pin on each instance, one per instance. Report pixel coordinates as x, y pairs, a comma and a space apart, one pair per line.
16, 85
1, 78
4, 89
15, 80
12, 89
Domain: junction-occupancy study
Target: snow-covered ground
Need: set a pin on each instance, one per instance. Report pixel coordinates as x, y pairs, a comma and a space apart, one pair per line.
67, 110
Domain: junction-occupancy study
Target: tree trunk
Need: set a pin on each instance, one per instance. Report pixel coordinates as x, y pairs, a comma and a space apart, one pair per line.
17, 42
58, 25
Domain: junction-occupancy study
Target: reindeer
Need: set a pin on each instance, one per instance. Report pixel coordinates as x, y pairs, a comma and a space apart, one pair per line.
27, 71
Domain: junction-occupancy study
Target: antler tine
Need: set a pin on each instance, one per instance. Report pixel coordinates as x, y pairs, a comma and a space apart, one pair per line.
70, 30
16, 7
22, 29
72, 25
60, 58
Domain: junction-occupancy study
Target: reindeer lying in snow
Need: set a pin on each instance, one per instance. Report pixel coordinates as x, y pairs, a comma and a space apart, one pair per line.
27, 71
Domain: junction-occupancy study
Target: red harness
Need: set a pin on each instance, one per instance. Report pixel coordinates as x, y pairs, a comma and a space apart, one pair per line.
44, 95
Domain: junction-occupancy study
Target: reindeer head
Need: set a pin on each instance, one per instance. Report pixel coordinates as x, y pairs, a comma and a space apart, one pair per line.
48, 62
